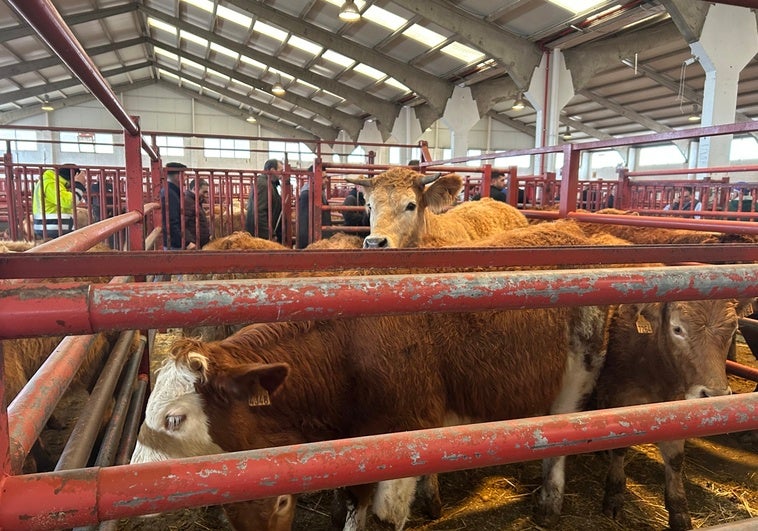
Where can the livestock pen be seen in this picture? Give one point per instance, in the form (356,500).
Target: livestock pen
(86,495)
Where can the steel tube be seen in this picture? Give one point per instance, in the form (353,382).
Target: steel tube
(133,421)
(39,309)
(85,496)
(50,26)
(743,371)
(716,225)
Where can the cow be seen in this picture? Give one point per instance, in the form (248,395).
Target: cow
(659,352)
(414,372)
(227,218)
(404,203)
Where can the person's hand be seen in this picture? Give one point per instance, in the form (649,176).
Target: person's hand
(80,178)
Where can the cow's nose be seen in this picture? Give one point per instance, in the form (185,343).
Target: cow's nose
(705,392)
(374,242)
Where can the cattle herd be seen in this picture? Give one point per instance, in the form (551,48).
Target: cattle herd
(225,389)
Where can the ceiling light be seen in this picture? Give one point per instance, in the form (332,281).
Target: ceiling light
(251,119)
(567,134)
(277,89)
(519,103)
(695,114)
(349,12)
(46,105)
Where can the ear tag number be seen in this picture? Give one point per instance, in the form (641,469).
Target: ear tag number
(643,325)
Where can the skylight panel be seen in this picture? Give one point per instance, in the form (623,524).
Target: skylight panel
(165,53)
(462,52)
(283,75)
(424,36)
(338,58)
(219,74)
(369,71)
(161,25)
(305,83)
(384,18)
(205,5)
(333,95)
(224,50)
(391,81)
(188,82)
(252,62)
(244,86)
(193,38)
(167,74)
(233,16)
(271,31)
(576,6)
(338,3)
(306,46)
(193,64)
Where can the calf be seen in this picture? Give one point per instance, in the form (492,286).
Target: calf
(659,352)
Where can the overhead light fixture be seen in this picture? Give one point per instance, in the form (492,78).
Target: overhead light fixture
(695,114)
(46,105)
(277,89)
(251,119)
(349,12)
(519,103)
(567,134)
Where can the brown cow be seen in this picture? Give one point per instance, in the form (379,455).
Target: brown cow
(403,211)
(659,352)
(412,372)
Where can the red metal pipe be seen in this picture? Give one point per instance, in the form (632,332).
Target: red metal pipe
(68,308)
(716,225)
(688,171)
(85,496)
(51,28)
(743,371)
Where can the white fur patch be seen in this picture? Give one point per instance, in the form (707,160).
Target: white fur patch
(393,499)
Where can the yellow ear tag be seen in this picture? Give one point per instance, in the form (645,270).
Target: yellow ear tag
(749,309)
(259,396)
(643,325)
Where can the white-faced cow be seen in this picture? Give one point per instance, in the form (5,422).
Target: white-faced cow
(405,206)
(659,352)
(413,372)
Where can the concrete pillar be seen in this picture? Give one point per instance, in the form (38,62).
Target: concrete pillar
(584,166)
(729,40)
(551,88)
(406,130)
(461,114)
(370,134)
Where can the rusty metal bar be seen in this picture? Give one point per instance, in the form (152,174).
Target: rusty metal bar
(82,439)
(51,28)
(85,496)
(717,225)
(5,450)
(153,238)
(70,308)
(86,237)
(132,421)
(743,371)
(50,265)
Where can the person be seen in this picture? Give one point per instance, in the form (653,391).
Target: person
(737,205)
(171,208)
(684,202)
(354,218)
(258,214)
(497,188)
(303,216)
(195,219)
(610,199)
(54,193)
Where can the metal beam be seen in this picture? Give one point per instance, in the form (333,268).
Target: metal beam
(688,16)
(47,62)
(385,112)
(585,62)
(519,56)
(587,130)
(322,131)
(33,110)
(513,124)
(8,97)
(24,30)
(434,90)
(285,130)
(351,124)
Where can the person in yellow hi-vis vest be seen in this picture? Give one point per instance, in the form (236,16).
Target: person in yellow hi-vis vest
(54,201)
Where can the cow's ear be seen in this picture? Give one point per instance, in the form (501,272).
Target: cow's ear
(443,191)
(746,307)
(645,316)
(253,383)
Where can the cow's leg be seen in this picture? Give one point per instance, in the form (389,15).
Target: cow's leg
(393,500)
(676,501)
(429,495)
(615,484)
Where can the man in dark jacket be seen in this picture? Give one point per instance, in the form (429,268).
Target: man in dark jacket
(259,212)
(355,218)
(195,219)
(497,188)
(172,208)
(303,211)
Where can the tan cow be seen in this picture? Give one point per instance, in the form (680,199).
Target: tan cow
(404,206)
(659,352)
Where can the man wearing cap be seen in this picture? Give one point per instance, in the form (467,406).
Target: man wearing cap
(171,209)
(54,202)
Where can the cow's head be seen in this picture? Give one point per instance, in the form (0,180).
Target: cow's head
(694,337)
(397,201)
(180,423)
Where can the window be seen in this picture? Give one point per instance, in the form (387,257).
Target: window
(522,161)
(606,159)
(86,142)
(358,156)
(474,153)
(743,149)
(296,153)
(226,148)
(23,140)
(660,155)
(170,146)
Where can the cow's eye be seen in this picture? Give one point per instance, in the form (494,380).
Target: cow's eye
(174,421)
(678,330)
(410,207)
